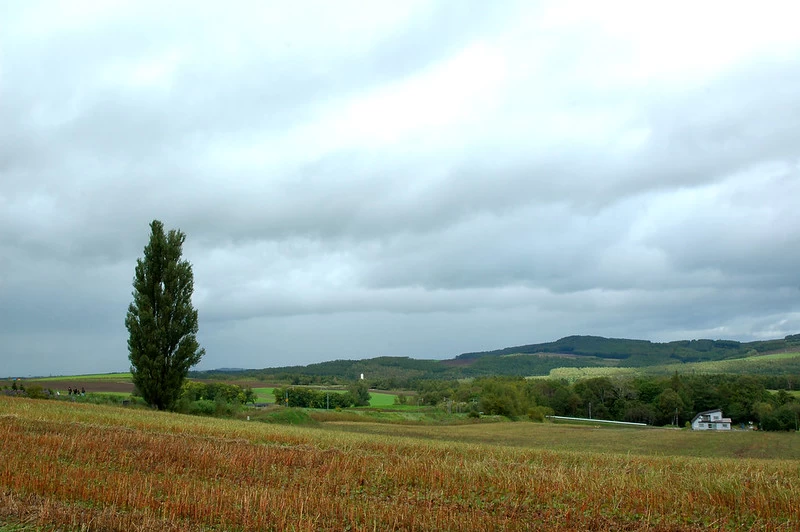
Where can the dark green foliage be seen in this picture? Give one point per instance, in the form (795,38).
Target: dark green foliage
(643,352)
(784,417)
(34,391)
(639,412)
(230,393)
(601,394)
(297,397)
(286,416)
(502,398)
(360,392)
(520,365)
(202,407)
(539,413)
(653,400)
(161,321)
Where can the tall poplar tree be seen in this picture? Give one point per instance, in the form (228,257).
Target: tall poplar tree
(161,321)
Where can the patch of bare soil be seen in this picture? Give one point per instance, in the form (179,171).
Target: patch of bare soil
(89,386)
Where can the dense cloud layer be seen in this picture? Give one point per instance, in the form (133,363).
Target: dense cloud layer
(398,178)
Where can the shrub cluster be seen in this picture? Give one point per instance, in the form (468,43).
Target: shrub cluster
(213,399)
(357,394)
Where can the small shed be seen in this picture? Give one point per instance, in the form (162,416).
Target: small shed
(711,420)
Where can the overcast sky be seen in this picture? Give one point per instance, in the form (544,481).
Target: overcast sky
(367,178)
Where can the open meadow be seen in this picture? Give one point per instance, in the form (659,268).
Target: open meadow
(770,364)
(74,466)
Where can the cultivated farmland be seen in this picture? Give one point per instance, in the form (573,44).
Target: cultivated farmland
(90,467)
(772,364)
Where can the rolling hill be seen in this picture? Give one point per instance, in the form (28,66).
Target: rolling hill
(526,360)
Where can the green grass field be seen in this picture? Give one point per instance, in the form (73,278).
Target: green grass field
(377,399)
(264,395)
(795,393)
(380,399)
(760,364)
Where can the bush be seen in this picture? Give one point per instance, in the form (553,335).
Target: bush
(223,408)
(539,413)
(34,391)
(288,416)
(360,393)
(105,399)
(310,398)
(202,407)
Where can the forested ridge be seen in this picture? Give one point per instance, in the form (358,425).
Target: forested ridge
(528,360)
(644,352)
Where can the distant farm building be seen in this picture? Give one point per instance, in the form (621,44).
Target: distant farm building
(711,420)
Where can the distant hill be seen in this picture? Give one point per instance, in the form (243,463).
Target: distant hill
(644,352)
(525,360)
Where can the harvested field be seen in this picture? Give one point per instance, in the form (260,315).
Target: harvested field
(104,468)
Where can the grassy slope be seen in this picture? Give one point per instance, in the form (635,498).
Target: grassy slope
(760,364)
(264,395)
(137,469)
(379,399)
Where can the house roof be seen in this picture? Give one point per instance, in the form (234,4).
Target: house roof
(706,412)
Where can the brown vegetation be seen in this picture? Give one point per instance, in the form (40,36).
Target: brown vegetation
(90,467)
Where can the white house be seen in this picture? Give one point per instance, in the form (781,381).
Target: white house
(711,420)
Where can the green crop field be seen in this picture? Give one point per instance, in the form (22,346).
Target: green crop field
(98,467)
(574,374)
(379,399)
(794,393)
(264,395)
(774,364)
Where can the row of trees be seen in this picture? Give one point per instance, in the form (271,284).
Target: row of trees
(357,394)
(217,391)
(212,399)
(652,400)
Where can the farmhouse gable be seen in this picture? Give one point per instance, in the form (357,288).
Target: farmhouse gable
(711,420)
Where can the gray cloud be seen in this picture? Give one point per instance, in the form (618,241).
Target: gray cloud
(417,179)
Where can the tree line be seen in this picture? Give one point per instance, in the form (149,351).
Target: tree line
(357,394)
(643,399)
(644,352)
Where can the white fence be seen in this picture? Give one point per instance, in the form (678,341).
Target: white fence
(629,423)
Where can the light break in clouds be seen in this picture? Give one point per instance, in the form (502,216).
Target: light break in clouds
(398,178)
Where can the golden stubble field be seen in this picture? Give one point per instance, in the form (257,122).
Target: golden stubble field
(87,467)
